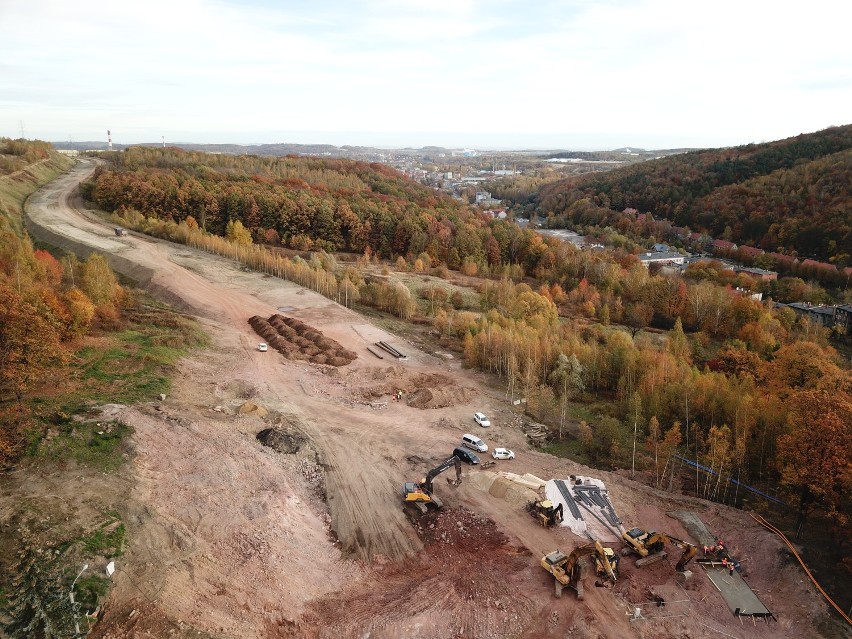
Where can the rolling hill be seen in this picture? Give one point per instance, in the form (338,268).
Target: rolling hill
(790,196)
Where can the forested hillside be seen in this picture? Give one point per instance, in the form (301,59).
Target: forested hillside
(561,326)
(790,196)
(302,203)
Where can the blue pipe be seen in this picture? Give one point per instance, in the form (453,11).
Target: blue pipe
(695,464)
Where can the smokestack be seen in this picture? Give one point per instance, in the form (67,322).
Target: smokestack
(109,140)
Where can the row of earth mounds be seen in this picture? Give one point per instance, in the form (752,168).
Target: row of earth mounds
(296,340)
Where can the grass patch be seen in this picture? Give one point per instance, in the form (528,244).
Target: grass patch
(108,540)
(97,445)
(90,590)
(134,364)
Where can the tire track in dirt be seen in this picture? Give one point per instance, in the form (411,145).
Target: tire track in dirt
(363,500)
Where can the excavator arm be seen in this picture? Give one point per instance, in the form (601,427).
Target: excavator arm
(440,468)
(607,564)
(420,494)
(689,552)
(568,571)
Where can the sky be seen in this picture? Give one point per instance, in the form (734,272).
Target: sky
(485,74)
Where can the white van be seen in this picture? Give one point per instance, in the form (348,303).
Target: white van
(474,443)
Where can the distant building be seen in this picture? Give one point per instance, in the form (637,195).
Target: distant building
(814,265)
(723,245)
(71,153)
(483,198)
(822,315)
(750,294)
(661,257)
(786,260)
(843,316)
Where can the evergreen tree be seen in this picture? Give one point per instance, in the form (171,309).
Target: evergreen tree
(39,606)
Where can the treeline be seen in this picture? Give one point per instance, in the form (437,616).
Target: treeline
(320,273)
(314,204)
(747,409)
(790,196)
(47,306)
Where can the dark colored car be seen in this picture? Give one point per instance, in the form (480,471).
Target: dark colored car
(466,455)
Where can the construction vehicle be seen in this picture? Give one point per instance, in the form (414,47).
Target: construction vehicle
(649,545)
(545,512)
(421,494)
(567,570)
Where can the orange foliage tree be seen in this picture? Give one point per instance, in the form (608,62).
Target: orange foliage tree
(814,455)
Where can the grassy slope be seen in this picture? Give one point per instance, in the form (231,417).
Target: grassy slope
(128,361)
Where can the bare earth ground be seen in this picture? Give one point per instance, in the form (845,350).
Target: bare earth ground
(229,538)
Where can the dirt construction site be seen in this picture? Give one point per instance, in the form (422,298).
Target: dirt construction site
(302,532)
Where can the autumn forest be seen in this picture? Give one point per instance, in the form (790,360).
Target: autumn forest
(697,368)
(606,352)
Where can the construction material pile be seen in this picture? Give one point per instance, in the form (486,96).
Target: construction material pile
(462,529)
(296,340)
(536,433)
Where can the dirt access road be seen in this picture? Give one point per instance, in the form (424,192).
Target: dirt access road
(232,539)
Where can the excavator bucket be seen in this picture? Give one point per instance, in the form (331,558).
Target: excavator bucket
(454,482)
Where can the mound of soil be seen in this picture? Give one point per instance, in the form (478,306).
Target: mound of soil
(296,340)
(420,390)
(466,560)
(462,529)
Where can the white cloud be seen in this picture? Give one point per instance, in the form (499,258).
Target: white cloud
(727,71)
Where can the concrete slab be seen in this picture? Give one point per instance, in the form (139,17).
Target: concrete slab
(740,598)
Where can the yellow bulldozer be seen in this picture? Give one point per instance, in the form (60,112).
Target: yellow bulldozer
(545,512)
(650,546)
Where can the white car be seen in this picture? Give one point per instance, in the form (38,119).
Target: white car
(262,347)
(503,453)
(481,419)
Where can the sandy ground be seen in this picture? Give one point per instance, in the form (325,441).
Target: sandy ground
(232,539)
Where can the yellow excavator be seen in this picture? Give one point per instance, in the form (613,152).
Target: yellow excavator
(649,545)
(545,512)
(567,570)
(420,494)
